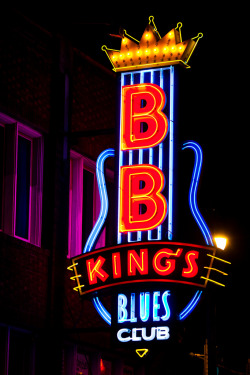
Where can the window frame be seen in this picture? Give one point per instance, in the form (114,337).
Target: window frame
(78,163)
(13,129)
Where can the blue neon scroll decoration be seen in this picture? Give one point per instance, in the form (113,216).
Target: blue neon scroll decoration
(196,214)
(110,152)
(103,198)
(193,191)
(191,305)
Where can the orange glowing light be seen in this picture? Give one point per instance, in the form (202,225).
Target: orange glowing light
(150,40)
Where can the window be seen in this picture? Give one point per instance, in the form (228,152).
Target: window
(84,202)
(21,176)
(17,352)
(23,183)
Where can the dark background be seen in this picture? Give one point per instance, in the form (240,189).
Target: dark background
(213,111)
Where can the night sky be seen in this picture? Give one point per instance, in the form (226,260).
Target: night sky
(215,113)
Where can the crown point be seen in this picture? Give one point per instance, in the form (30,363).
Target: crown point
(179,26)
(199,36)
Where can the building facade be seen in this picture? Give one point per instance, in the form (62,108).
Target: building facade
(57,113)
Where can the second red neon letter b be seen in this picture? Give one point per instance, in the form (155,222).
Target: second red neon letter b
(142,206)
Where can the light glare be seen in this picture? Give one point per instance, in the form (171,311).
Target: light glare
(221,242)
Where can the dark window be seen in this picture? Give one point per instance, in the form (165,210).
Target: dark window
(88,204)
(20,354)
(17,352)
(23,187)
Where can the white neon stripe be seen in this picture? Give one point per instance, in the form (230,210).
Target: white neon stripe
(140,156)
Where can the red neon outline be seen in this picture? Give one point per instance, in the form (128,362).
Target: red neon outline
(142,281)
(141,244)
(192,268)
(116,265)
(131,197)
(170,263)
(93,269)
(137,262)
(132,115)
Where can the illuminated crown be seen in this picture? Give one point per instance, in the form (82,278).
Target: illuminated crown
(152,50)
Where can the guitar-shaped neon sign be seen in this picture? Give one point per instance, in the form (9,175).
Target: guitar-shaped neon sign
(145,180)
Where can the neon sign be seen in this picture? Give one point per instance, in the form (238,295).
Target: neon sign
(144,307)
(150,308)
(143,262)
(146,262)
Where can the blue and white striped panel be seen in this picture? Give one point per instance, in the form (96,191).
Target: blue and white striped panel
(163,77)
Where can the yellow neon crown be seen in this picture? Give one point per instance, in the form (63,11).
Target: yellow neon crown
(152,50)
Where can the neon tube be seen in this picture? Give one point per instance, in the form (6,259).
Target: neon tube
(193,192)
(103,198)
(197,216)
(101,310)
(100,221)
(190,307)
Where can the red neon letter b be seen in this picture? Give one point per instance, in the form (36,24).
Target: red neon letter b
(144,125)
(142,206)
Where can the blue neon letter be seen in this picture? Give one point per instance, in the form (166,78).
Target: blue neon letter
(156,306)
(144,306)
(132,308)
(166,305)
(122,311)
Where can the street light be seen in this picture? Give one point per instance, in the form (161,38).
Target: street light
(220,242)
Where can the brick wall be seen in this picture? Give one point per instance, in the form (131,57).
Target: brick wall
(93,104)
(23,283)
(25,71)
(26,59)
